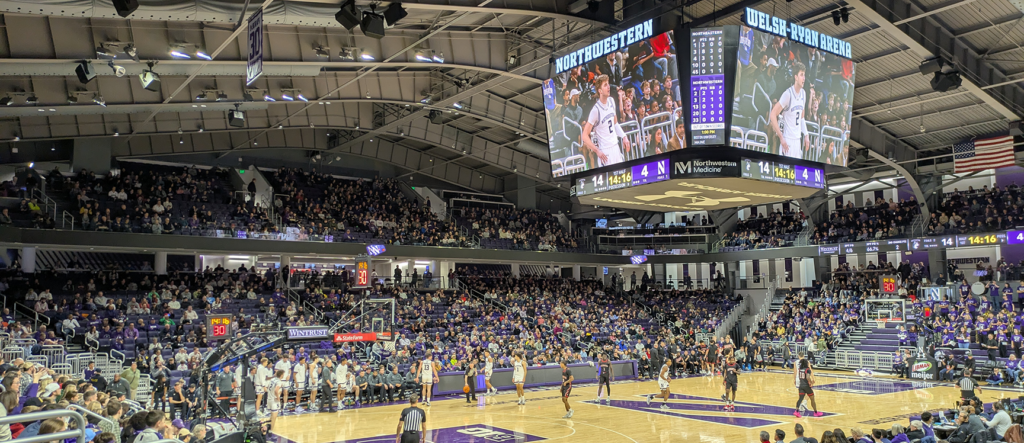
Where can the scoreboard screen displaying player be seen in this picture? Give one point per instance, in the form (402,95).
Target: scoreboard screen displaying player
(793,94)
(707,86)
(615,101)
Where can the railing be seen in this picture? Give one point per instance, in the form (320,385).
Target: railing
(48,203)
(877,361)
(918,226)
(65,218)
(731,318)
(36,315)
(766,307)
(78,433)
(804,238)
(99,417)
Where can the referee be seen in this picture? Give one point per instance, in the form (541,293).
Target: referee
(412,427)
(967,386)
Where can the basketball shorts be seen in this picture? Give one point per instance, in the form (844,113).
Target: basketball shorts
(300,386)
(795,147)
(566,390)
(273,405)
(487,375)
(518,380)
(345,386)
(603,380)
(805,389)
(730,386)
(261,389)
(427,379)
(662,384)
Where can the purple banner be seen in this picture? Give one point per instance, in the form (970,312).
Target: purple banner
(465,434)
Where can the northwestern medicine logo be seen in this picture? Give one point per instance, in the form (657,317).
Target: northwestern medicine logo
(605,46)
(703,167)
(774,25)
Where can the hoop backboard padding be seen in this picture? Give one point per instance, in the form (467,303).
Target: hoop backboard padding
(378,315)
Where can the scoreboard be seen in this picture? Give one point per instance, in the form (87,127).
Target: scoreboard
(218,327)
(636,175)
(362,272)
(707,86)
(779,172)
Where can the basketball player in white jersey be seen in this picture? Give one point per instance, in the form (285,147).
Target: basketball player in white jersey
(277,384)
(300,382)
(428,376)
(519,376)
(313,382)
(263,375)
(605,124)
(488,370)
(793,139)
(284,365)
(663,378)
(341,378)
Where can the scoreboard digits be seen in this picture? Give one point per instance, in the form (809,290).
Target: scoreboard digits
(888,285)
(707,86)
(217,327)
(362,271)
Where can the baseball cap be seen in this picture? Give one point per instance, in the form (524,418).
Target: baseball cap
(50,389)
(178,423)
(772,62)
(574,93)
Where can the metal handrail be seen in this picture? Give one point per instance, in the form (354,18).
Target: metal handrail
(75,407)
(78,433)
(47,201)
(35,313)
(64,217)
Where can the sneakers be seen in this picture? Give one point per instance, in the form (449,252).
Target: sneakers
(649,400)
(570,412)
(797,414)
(427,402)
(567,415)
(818,414)
(665,406)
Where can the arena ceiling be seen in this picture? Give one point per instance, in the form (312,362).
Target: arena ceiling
(491,126)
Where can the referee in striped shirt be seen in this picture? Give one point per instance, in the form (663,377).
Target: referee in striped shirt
(412,427)
(967,386)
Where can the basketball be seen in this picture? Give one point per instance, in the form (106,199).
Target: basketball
(465,389)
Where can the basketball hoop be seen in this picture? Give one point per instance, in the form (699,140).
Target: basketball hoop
(389,346)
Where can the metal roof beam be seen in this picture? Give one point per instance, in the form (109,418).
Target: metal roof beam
(988,27)
(926,38)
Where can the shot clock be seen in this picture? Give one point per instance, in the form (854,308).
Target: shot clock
(888,285)
(218,327)
(362,272)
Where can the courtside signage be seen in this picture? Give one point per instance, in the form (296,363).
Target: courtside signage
(605,46)
(358,336)
(775,25)
(308,333)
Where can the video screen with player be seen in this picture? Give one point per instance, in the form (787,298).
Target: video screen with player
(615,101)
(791,99)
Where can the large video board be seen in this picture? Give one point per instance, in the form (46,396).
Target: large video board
(794,91)
(614,101)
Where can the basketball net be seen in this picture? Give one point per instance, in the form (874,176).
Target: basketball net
(389,346)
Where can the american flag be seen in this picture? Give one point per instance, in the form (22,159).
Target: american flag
(979,155)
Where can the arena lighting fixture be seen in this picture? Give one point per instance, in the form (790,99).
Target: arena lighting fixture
(845,13)
(287,97)
(85,72)
(300,97)
(457,105)
(119,71)
(439,57)
(6,101)
(322,51)
(347,54)
(131,51)
(125,8)
(203,55)
(31,99)
(836,18)
(367,57)
(424,55)
(268,98)
(149,79)
(178,54)
(346,16)
(104,53)
(99,101)
(372,24)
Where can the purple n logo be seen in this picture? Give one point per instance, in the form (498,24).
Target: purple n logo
(709,410)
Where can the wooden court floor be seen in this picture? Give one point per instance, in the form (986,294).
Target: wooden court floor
(764,402)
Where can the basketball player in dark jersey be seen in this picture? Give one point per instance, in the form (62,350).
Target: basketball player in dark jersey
(604,367)
(711,358)
(566,388)
(805,383)
(731,374)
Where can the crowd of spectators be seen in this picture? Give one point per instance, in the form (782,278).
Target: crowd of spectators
(760,231)
(525,228)
(978,210)
(877,221)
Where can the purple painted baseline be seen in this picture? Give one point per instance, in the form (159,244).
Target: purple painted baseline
(446,435)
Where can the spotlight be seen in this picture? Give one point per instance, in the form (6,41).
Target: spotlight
(30,164)
(347,54)
(31,99)
(103,53)
(200,97)
(85,72)
(836,18)
(268,98)
(322,51)
(943,82)
(395,13)
(845,13)
(346,16)
(178,54)
(439,57)
(372,25)
(202,55)
(236,119)
(300,97)
(287,97)
(181,140)
(221,96)
(367,57)
(117,134)
(99,101)
(457,105)
(6,101)
(931,66)
(118,70)
(131,51)
(424,55)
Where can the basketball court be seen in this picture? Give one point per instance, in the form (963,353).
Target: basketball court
(764,402)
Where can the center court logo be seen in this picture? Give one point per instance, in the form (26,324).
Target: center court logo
(463,434)
(746,415)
